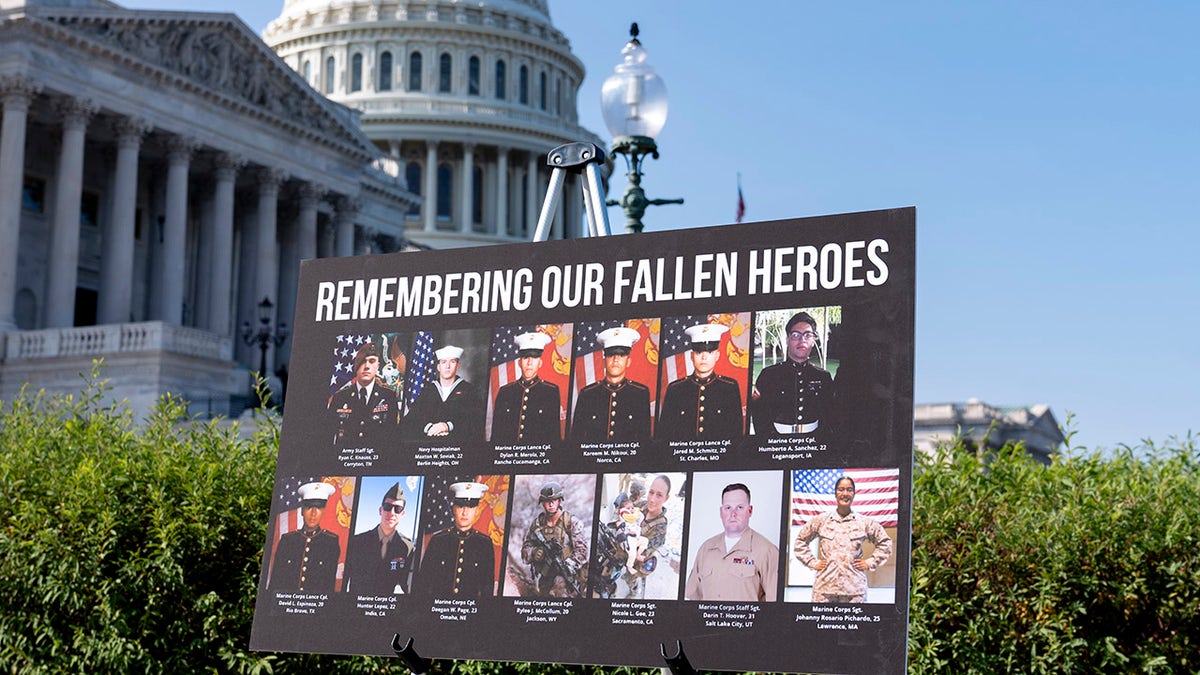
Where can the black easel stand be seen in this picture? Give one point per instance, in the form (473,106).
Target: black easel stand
(678,664)
(419,665)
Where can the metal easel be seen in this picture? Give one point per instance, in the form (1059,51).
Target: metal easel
(583,159)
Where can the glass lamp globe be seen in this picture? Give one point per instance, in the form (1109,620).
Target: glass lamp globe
(634,98)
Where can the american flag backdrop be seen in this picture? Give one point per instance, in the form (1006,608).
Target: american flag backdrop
(675,350)
(876,493)
(336,518)
(421,368)
(343,360)
(504,368)
(438,515)
(643,358)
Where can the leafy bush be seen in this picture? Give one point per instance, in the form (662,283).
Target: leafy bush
(136,547)
(1090,564)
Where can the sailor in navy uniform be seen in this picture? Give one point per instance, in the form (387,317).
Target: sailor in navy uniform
(790,397)
(364,410)
(702,404)
(614,409)
(460,560)
(448,407)
(528,410)
(306,560)
(380,560)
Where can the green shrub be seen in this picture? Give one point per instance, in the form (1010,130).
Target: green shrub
(1090,564)
(135,546)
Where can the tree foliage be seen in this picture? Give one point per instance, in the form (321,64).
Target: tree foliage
(135,546)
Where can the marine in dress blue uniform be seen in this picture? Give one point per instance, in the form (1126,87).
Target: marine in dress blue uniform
(615,408)
(702,404)
(528,410)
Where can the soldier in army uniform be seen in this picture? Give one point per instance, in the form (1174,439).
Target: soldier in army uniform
(616,408)
(448,407)
(702,404)
(654,529)
(306,560)
(841,568)
(380,559)
(364,410)
(528,410)
(790,397)
(554,547)
(460,560)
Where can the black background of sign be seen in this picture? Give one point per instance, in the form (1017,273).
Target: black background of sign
(874,408)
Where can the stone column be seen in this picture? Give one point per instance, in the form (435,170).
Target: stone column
(220,277)
(116,261)
(467,197)
(64,233)
(326,244)
(16,93)
(306,230)
(430,205)
(266,262)
(533,206)
(179,156)
(344,222)
(501,191)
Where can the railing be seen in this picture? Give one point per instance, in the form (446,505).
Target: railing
(116,339)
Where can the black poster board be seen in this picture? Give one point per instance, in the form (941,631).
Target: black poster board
(474,593)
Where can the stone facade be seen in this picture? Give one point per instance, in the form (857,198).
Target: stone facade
(987,427)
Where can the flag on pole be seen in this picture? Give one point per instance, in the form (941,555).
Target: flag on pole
(741,203)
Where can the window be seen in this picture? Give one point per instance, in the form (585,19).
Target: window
(33,195)
(477,195)
(414,71)
(542,90)
(501,80)
(412,175)
(329,75)
(308,72)
(473,76)
(445,191)
(444,72)
(385,71)
(356,72)
(523,85)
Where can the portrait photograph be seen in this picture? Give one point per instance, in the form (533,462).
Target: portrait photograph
(551,536)
(383,553)
(365,389)
(615,381)
(310,529)
(793,371)
(446,386)
(529,384)
(463,523)
(639,536)
(703,376)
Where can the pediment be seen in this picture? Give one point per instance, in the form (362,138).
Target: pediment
(219,54)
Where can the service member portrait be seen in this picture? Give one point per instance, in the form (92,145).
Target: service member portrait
(364,411)
(842,546)
(448,406)
(701,404)
(307,554)
(613,407)
(459,560)
(739,563)
(382,556)
(527,404)
(793,396)
(639,537)
(552,531)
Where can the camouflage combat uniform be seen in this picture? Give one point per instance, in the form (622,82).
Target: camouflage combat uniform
(840,542)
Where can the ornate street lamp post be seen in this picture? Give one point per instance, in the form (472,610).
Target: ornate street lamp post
(265,336)
(634,103)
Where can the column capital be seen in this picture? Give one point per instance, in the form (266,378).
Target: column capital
(76,112)
(310,194)
(347,206)
(181,148)
(228,164)
(18,91)
(130,130)
(269,179)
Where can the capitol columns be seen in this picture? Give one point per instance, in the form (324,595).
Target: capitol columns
(533,205)
(501,191)
(16,93)
(116,257)
(266,260)
(220,277)
(306,230)
(179,157)
(64,231)
(467,195)
(343,220)
(430,189)
(298,243)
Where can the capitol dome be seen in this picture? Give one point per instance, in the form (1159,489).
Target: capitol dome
(464,97)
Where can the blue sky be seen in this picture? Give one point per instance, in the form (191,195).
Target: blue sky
(1052,151)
